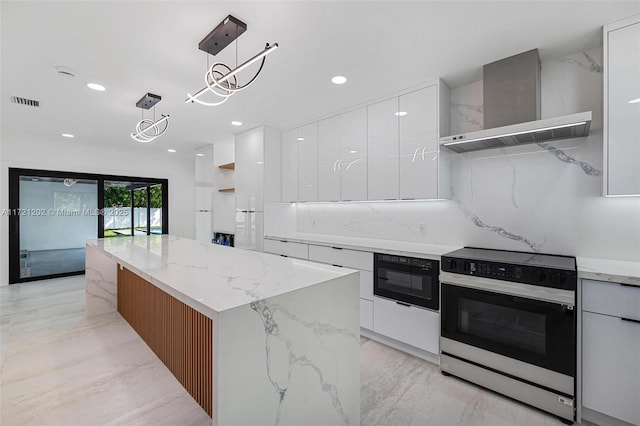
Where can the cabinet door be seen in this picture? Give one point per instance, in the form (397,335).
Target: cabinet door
(289,166)
(418,125)
(308,162)
(353,170)
(623,118)
(382,147)
(611,366)
(204,165)
(249,170)
(203,227)
(329,159)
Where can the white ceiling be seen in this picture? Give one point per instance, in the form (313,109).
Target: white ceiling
(152,46)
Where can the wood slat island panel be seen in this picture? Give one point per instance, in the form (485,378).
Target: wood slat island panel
(179,335)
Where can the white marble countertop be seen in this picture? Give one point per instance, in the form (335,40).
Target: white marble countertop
(404,248)
(626,272)
(213,278)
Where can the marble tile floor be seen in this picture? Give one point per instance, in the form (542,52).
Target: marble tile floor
(60,368)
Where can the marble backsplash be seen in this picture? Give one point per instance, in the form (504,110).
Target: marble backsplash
(542,197)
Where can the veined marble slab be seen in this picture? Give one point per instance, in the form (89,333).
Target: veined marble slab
(101,282)
(285,332)
(212,278)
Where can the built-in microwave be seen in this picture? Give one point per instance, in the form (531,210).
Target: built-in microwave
(407,280)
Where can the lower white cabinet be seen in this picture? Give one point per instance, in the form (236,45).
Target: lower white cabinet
(287,248)
(408,324)
(342,257)
(611,349)
(366,285)
(611,366)
(366,313)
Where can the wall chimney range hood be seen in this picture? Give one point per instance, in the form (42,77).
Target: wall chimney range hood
(511,90)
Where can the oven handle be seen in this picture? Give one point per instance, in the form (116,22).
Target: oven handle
(545,294)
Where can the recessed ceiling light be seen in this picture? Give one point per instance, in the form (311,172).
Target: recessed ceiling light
(634,101)
(95,86)
(339,79)
(200,154)
(300,139)
(68,135)
(353,152)
(236,123)
(401,113)
(259,162)
(171,150)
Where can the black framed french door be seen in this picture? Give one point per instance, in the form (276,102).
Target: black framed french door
(53,213)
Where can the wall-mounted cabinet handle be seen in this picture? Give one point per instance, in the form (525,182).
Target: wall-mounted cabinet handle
(631,320)
(284,255)
(339,266)
(403,304)
(630,285)
(337,248)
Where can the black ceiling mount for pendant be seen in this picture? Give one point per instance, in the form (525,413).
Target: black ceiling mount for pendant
(148,100)
(227,31)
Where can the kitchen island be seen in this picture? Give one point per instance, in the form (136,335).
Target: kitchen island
(255,338)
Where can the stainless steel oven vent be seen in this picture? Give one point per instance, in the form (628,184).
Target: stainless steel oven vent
(25,101)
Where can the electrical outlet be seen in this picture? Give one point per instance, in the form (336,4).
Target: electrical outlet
(422,229)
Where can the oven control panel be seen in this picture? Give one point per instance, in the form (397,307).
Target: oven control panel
(535,275)
(409,261)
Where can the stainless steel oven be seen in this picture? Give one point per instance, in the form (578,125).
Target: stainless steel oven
(407,280)
(508,323)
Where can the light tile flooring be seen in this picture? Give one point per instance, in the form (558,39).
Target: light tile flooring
(58,367)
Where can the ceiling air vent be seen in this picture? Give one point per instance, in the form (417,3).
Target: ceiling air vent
(25,101)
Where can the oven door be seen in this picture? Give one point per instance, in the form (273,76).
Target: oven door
(410,284)
(536,332)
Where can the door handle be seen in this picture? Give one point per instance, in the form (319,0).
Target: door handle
(630,320)
(403,304)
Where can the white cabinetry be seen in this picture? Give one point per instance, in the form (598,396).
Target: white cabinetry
(622,107)
(329,159)
(308,162)
(224,181)
(408,324)
(355,259)
(353,165)
(383,175)
(290,166)
(204,172)
(287,248)
(423,116)
(342,157)
(611,350)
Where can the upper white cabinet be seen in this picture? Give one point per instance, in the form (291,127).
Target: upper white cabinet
(353,161)
(382,125)
(384,151)
(329,153)
(622,107)
(419,150)
(204,165)
(290,166)
(342,157)
(307,140)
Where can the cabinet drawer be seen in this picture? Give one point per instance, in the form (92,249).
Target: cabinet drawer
(366,314)
(366,285)
(343,257)
(409,324)
(610,367)
(611,299)
(286,248)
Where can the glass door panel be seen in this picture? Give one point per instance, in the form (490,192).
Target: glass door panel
(141,218)
(56,217)
(155,205)
(117,209)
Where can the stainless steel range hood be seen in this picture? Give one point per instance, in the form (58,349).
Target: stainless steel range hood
(511,89)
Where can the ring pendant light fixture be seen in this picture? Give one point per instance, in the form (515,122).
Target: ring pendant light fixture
(147,130)
(220,79)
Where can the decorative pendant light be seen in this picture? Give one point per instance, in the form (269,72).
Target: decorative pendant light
(146,129)
(220,79)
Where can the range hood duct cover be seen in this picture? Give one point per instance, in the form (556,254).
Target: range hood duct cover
(511,90)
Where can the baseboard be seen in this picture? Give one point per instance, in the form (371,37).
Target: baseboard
(597,418)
